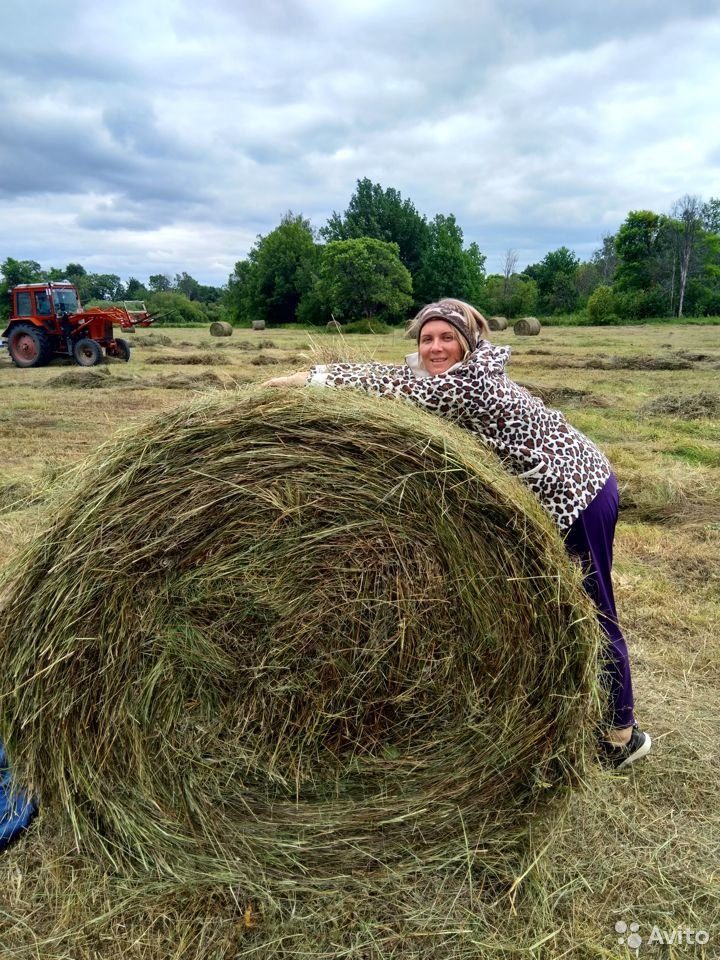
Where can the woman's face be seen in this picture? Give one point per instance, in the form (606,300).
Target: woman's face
(439,347)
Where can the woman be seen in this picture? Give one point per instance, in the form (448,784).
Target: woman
(458,374)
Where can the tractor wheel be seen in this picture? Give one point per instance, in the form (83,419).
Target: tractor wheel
(29,346)
(88,353)
(123,350)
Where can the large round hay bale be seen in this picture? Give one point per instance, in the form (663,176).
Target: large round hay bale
(258,324)
(333,326)
(220,328)
(527,327)
(292,636)
(497,323)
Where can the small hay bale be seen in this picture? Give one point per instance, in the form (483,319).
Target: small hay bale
(333,326)
(285,639)
(498,323)
(527,327)
(220,328)
(258,324)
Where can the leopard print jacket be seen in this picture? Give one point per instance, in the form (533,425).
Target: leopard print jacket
(558,463)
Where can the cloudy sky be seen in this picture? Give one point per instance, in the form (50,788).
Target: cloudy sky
(153,136)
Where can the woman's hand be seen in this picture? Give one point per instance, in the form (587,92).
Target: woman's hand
(295,380)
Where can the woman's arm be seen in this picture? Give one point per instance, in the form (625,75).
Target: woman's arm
(445,394)
(294,380)
(377,378)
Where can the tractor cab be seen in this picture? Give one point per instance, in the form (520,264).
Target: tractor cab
(39,301)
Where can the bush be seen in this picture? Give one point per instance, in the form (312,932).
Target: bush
(176,310)
(602,307)
(640,304)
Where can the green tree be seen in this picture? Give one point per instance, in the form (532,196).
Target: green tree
(687,214)
(637,245)
(711,215)
(280,270)
(474,275)
(605,259)
(186,285)
(73,271)
(134,290)
(237,293)
(555,276)
(587,279)
(383,215)
(20,271)
(364,278)
(513,296)
(446,269)
(210,294)
(159,283)
(101,286)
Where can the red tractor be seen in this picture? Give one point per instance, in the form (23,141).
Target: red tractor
(46,321)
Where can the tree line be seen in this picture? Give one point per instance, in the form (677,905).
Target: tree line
(381,259)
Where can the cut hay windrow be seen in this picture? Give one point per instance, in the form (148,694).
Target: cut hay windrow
(279,638)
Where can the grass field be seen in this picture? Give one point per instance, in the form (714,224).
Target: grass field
(642,847)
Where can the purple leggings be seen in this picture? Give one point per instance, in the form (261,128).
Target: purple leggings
(590,538)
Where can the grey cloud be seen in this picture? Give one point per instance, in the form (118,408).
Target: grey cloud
(59,153)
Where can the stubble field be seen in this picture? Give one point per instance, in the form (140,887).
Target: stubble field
(642,847)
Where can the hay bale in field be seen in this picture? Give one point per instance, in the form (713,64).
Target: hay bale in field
(258,324)
(527,327)
(497,323)
(296,638)
(220,328)
(333,326)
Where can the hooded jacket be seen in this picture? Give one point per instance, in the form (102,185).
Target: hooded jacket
(537,444)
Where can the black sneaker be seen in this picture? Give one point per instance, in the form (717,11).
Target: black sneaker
(616,758)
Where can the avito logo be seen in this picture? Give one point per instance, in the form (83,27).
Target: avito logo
(681,936)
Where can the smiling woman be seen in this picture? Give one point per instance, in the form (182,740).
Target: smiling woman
(439,347)
(458,374)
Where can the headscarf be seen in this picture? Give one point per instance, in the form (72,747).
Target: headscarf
(452,315)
